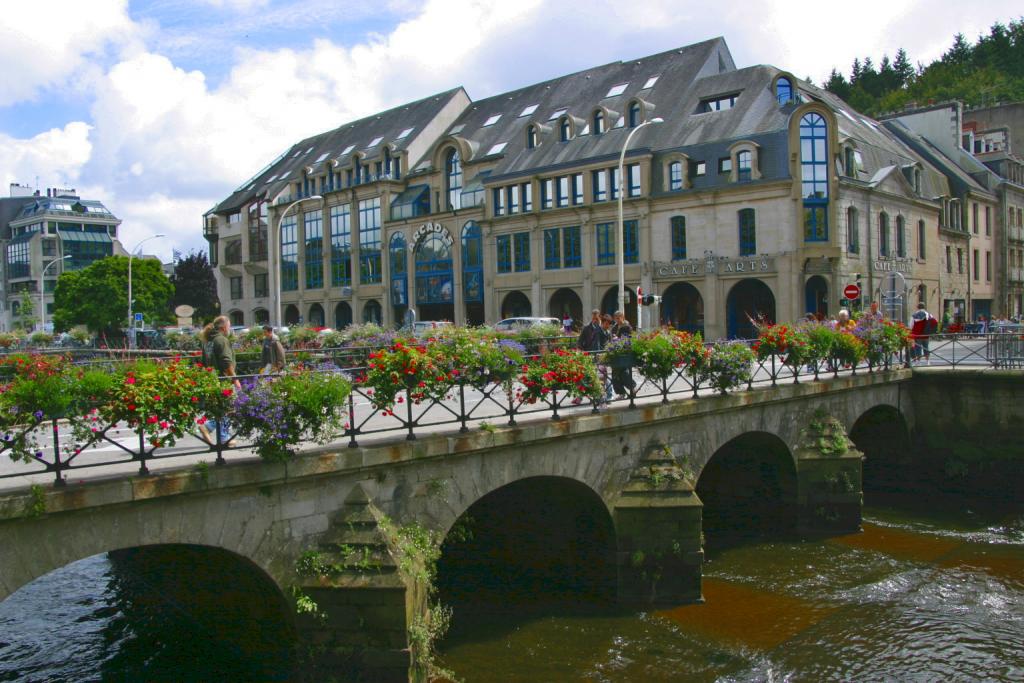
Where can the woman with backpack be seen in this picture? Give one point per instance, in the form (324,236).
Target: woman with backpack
(925,324)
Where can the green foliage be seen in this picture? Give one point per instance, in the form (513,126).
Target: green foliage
(97,296)
(660,352)
(35,506)
(568,370)
(194,284)
(826,434)
(987,71)
(26,311)
(729,365)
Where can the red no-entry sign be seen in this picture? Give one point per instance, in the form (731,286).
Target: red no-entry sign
(851,292)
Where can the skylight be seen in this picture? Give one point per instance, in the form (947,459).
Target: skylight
(347,150)
(297,153)
(650,82)
(529,110)
(457,129)
(847,115)
(309,150)
(617,90)
(491,120)
(285,174)
(404,134)
(272,178)
(497,149)
(620,123)
(321,157)
(556,114)
(585,131)
(374,142)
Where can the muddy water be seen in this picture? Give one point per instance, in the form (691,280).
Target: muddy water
(935,595)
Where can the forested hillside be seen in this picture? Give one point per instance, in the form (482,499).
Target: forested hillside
(987,71)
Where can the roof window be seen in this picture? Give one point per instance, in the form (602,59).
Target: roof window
(347,150)
(404,134)
(491,120)
(720,103)
(528,110)
(285,174)
(321,157)
(457,129)
(374,142)
(617,90)
(497,149)
(556,114)
(649,83)
(272,178)
(309,150)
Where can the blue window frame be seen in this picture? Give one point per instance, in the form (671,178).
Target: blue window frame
(562,191)
(814,176)
(605,233)
(547,190)
(341,246)
(472,263)
(289,254)
(599,183)
(576,183)
(553,248)
(748,232)
(675,176)
(527,194)
(512,193)
(453,179)
(572,255)
(633,178)
(313,222)
(498,197)
(504,255)
(678,224)
(564,129)
(434,280)
(783,90)
(613,182)
(630,242)
(397,264)
(597,125)
(369,241)
(521,248)
(634,114)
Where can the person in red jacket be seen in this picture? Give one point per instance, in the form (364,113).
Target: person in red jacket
(924,325)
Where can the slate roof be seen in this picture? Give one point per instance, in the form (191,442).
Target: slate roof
(960,179)
(10,207)
(67,205)
(354,137)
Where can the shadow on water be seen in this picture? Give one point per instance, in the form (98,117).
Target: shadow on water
(160,613)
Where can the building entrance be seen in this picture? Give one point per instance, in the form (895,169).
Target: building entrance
(816,296)
(435,283)
(750,302)
(682,308)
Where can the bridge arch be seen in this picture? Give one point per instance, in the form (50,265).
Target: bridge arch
(534,538)
(749,486)
(882,434)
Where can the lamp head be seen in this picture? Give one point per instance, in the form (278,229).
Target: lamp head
(657,119)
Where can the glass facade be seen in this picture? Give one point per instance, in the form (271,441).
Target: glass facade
(289,254)
(341,246)
(814,176)
(369,241)
(434,281)
(313,223)
(472,263)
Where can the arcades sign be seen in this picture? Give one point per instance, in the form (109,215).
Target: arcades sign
(433,229)
(719,267)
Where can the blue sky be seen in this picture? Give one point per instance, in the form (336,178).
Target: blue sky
(160,108)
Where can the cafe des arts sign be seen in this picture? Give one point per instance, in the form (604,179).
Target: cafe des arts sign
(697,268)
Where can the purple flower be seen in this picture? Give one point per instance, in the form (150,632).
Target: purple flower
(38,414)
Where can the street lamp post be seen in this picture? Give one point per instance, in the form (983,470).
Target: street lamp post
(131,318)
(42,295)
(620,255)
(276,270)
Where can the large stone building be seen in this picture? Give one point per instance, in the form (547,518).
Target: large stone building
(42,236)
(758,195)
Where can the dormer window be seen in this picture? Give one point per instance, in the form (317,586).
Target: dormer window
(917,180)
(598,125)
(784,90)
(744,163)
(721,103)
(564,129)
(634,114)
(531,136)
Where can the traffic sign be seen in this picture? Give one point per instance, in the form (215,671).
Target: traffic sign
(851,292)
(138,317)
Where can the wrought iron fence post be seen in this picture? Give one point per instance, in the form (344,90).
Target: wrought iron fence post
(462,407)
(58,466)
(554,405)
(773,370)
(796,373)
(408,412)
(141,430)
(511,409)
(664,390)
(351,429)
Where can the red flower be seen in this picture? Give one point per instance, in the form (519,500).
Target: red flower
(129,380)
(151,419)
(131,406)
(226,392)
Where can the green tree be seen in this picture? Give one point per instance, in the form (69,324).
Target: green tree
(97,296)
(26,311)
(195,285)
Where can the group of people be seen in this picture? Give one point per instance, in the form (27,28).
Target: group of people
(594,337)
(219,354)
(923,325)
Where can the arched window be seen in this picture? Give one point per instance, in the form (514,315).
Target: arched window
(814,176)
(852,231)
(901,237)
(531,136)
(675,176)
(372,312)
(634,114)
(784,90)
(453,179)
(744,162)
(598,124)
(883,234)
(748,232)
(434,271)
(564,129)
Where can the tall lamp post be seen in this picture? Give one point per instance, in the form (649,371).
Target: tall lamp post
(131,318)
(42,295)
(620,255)
(276,270)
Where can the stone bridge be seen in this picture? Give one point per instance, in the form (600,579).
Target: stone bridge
(622,497)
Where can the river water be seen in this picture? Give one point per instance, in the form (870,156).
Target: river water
(920,595)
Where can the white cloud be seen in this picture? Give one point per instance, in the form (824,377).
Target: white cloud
(237,4)
(49,46)
(55,156)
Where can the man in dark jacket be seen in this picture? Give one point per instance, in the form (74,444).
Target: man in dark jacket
(272,355)
(218,354)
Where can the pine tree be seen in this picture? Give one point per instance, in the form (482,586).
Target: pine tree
(901,65)
(195,285)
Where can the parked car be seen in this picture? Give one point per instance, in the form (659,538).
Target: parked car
(514,324)
(422,328)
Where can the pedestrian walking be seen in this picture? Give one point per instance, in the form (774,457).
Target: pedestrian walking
(272,355)
(218,354)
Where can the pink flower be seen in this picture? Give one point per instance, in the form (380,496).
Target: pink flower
(151,419)
(226,392)
(130,380)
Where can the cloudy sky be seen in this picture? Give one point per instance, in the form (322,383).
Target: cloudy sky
(160,108)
